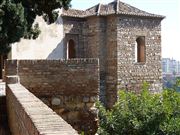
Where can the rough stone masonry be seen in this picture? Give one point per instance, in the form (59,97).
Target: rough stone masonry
(68,87)
(109,32)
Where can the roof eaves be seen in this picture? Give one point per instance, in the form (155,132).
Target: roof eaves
(113,13)
(142,15)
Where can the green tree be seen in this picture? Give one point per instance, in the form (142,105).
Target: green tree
(17,18)
(143,114)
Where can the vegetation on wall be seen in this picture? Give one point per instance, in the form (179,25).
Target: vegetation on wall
(142,114)
(17,18)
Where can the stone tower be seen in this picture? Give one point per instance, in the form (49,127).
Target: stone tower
(126,40)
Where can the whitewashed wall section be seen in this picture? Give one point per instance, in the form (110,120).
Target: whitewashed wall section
(49,44)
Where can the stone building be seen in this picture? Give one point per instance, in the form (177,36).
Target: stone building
(126,40)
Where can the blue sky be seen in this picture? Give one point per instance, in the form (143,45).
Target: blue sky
(170,25)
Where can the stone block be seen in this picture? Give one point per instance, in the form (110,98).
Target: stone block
(55,101)
(89,105)
(73,116)
(93,99)
(85,99)
(12,79)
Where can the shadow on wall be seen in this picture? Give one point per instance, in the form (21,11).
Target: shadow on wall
(57,53)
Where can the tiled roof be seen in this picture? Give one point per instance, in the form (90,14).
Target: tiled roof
(73,13)
(92,11)
(130,10)
(115,7)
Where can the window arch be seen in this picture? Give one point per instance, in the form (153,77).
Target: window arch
(140,55)
(71,50)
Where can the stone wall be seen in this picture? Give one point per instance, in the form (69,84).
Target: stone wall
(30,116)
(69,87)
(96,47)
(102,44)
(112,39)
(73,29)
(93,41)
(111,67)
(90,38)
(49,44)
(130,73)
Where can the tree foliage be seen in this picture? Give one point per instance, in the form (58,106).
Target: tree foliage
(143,114)
(17,18)
(172,83)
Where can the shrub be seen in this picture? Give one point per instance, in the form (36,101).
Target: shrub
(142,114)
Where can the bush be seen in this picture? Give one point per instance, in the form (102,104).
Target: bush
(142,114)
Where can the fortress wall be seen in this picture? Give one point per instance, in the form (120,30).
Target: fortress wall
(111,67)
(132,74)
(69,87)
(30,116)
(96,41)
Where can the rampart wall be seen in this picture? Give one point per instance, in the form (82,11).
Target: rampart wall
(30,116)
(69,87)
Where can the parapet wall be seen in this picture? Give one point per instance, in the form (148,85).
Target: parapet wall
(30,116)
(52,77)
(69,87)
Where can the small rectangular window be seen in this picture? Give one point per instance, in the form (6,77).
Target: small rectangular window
(140,54)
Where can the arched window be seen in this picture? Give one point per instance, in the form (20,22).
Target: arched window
(140,55)
(71,52)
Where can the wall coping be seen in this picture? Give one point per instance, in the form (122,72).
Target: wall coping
(45,121)
(68,61)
